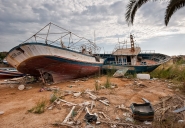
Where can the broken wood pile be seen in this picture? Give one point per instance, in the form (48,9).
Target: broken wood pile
(170,110)
(93,115)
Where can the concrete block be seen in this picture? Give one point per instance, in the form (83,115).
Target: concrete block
(143,76)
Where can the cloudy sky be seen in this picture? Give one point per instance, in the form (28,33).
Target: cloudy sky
(20,19)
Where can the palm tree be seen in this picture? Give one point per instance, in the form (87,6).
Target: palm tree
(133,5)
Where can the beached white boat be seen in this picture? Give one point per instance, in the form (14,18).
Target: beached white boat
(57,62)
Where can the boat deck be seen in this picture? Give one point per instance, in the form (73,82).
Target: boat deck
(146,62)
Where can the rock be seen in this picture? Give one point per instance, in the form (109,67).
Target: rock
(113,126)
(1,112)
(177,90)
(97,81)
(169,87)
(117,118)
(28,87)
(21,87)
(102,87)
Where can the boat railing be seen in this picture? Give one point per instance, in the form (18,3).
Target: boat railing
(118,63)
(61,37)
(147,51)
(108,52)
(125,46)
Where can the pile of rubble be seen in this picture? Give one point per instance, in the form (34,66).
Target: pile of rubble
(170,111)
(93,114)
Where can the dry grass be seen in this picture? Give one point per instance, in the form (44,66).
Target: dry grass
(39,107)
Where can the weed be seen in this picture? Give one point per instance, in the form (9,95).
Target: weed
(39,108)
(130,75)
(97,87)
(174,72)
(56,94)
(53,98)
(107,84)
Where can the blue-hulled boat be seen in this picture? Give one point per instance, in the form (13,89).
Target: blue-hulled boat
(133,58)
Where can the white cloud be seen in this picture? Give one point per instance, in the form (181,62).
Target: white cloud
(20,19)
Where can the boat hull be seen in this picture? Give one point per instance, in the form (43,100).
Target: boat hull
(157,58)
(60,68)
(7,74)
(131,69)
(37,58)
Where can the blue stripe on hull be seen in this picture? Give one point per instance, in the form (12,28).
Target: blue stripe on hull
(73,61)
(140,69)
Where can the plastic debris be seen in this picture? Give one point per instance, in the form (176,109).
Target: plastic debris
(147,123)
(129,119)
(120,72)
(76,94)
(180,121)
(90,118)
(179,110)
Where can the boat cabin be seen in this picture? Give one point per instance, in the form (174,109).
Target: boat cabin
(126,56)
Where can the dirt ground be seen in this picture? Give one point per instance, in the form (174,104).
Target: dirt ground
(15,103)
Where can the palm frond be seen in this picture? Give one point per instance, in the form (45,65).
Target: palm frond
(172,7)
(132,7)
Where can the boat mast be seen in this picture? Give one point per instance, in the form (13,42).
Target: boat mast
(132,43)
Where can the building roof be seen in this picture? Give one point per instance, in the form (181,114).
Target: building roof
(127,51)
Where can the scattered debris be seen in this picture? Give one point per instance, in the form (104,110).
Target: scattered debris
(77,94)
(179,110)
(70,86)
(120,72)
(105,116)
(28,87)
(98,119)
(105,102)
(86,103)
(79,113)
(54,88)
(69,115)
(142,111)
(147,123)
(114,85)
(129,119)
(180,121)
(92,105)
(10,82)
(68,103)
(145,100)
(90,117)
